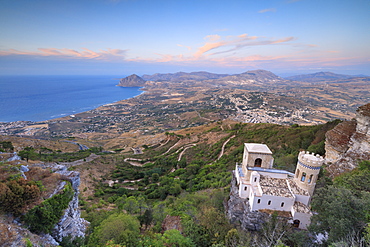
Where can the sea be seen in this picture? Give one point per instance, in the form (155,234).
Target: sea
(40,98)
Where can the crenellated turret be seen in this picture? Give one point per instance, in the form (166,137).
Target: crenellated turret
(307,171)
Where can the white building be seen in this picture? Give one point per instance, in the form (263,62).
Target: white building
(278,190)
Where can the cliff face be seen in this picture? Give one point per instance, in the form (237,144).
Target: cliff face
(348,143)
(238,211)
(132,81)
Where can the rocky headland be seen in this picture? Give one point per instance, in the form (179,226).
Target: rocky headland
(132,81)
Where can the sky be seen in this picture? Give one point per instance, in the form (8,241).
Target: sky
(123,37)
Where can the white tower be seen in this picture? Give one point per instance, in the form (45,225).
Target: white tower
(256,155)
(307,171)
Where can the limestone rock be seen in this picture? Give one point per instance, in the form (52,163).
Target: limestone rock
(172,222)
(363,120)
(338,140)
(238,211)
(71,223)
(13,235)
(348,143)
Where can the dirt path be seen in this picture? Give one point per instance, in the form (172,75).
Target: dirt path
(168,139)
(223,147)
(186,147)
(81,161)
(174,145)
(133,163)
(203,117)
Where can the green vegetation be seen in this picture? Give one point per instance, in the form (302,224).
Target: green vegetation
(136,210)
(120,228)
(43,217)
(343,208)
(163,175)
(45,154)
(6,146)
(195,187)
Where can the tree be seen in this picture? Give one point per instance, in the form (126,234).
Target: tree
(131,205)
(174,238)
(339,212)
(121,228)
(215,223)
(273,231)
(155,177)
(146,219)
(358,179)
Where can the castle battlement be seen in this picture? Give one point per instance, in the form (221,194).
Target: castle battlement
(310,160)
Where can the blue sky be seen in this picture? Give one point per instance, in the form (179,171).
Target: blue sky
(121,37)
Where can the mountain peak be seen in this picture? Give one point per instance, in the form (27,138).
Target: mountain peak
(132,81)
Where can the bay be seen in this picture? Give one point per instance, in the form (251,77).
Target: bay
(40,98)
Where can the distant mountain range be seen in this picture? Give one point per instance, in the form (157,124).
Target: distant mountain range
(181,76)
(321,76)
(202,75)
(252,77)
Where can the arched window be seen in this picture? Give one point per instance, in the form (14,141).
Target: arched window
(269,203)
(255,179)
(282,204)
(259,201)
(246,187)
(296,223)
(303,178)
(297,174)
(310,179)
(258,162)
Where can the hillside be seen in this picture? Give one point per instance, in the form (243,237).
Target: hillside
(170,151)
(320,77)
(167,171)
(183,76)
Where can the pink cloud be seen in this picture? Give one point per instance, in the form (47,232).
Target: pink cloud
(234,43)
(69,53)
(207,47)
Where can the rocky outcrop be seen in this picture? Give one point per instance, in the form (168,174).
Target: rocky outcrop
(363,120)
(238,211)
(71,223)
(338,141)
(132,81)
(13,235)
(348,143)
(172,222)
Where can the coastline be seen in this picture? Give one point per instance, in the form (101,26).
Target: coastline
(45,98)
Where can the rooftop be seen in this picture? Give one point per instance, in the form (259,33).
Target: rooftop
(257,148)
(297,190)
(275,186)
(301,208)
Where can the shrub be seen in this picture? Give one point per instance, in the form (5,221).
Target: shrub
(43,217)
